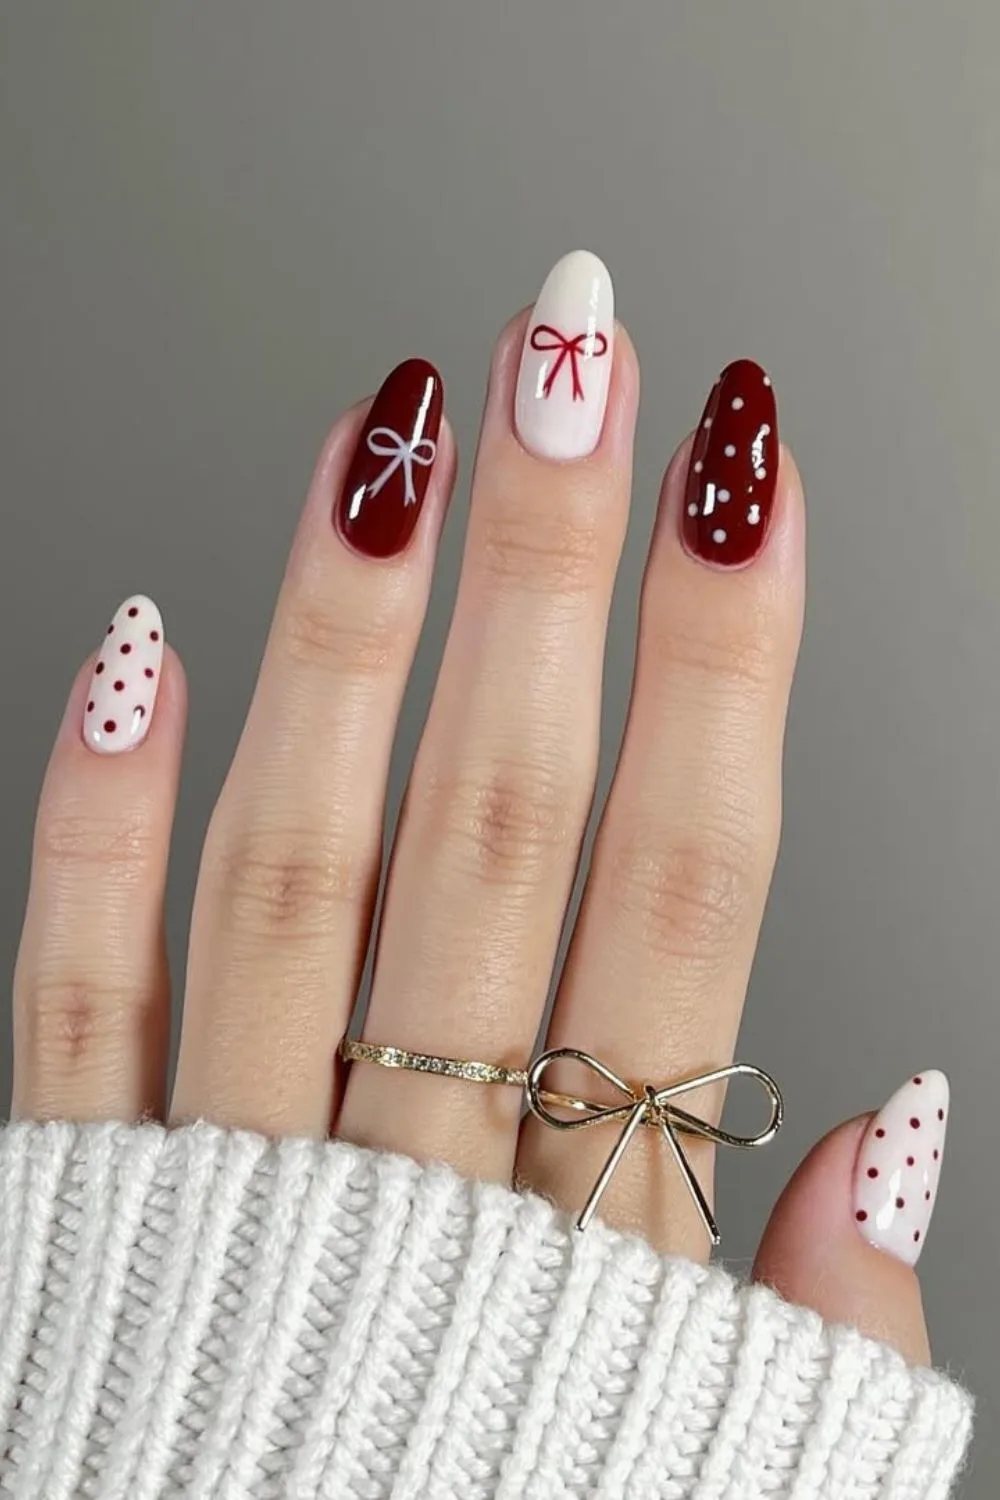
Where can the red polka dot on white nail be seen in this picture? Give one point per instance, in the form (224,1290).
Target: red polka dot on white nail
(134,645)
(896,1179)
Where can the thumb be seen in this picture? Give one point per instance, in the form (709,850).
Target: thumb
(848,1229)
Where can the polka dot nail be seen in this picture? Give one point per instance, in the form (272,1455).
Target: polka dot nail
(119,705)
(896,1178)
(734,467)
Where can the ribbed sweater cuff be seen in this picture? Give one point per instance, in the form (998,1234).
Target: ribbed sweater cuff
(208,1313)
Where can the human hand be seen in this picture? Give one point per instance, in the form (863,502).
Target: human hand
(490,834)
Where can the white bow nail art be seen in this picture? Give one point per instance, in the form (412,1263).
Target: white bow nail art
(385,442)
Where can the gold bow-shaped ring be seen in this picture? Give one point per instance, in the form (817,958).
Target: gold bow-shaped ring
(646,1105)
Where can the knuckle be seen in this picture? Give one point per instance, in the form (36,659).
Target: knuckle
(506,829)
(289,883)
(742,660)
(693,899)
(315,636)
(69,1020)
(559,553)
(81,842)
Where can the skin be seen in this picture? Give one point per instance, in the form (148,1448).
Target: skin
(484,859)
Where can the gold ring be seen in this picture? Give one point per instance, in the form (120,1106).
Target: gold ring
(643,1104)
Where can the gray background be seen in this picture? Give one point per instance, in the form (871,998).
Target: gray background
(223,223)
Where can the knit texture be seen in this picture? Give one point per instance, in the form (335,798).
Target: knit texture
(202,1313)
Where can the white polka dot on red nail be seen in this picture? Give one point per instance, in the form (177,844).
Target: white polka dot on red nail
(698,466)
(125,680)
(718,535)
(722,496)
(730,450)
(693,508)
(896,1178)
(767,380)
(760,473)
(753,515)
(737,403)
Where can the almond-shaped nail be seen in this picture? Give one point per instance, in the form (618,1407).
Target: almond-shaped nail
(899,1163)
(380,504)
(126,678)
(733,469)
(562,385)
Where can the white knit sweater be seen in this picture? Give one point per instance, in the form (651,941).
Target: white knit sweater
(198,1313)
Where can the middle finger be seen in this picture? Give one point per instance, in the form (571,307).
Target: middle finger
(490,833)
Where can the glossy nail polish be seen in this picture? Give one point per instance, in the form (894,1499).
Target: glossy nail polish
(126,678)
(733,469)
(387,480)
(562,385)
(896,1177)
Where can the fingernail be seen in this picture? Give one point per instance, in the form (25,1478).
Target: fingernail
(387,480)
(896,1178)
(123,688)
(733,469)
(562,385)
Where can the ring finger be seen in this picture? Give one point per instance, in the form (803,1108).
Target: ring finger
(658,967)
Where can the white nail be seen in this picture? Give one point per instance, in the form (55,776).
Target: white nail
(119,705)
(896,1178)
(562,386)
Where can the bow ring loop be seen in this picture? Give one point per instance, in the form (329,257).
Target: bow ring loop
(541,1100)
(646,1105)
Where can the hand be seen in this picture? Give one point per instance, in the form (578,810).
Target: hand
(490,834)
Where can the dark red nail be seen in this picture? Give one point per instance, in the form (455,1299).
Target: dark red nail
(387,480)
(734,466)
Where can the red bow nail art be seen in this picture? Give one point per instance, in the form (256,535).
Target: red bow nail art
(547,339)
